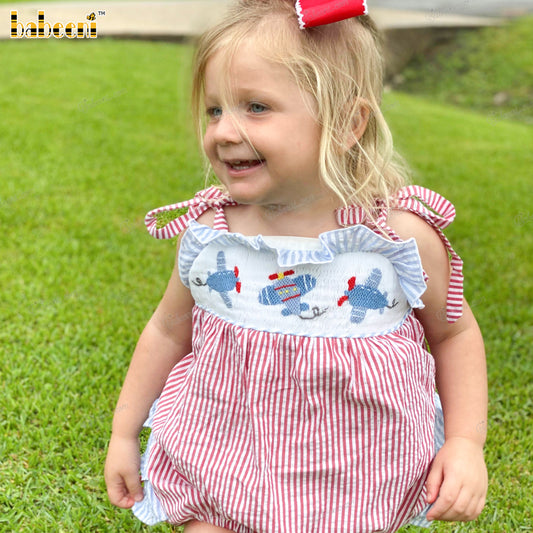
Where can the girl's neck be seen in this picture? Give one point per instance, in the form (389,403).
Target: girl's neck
(304,219)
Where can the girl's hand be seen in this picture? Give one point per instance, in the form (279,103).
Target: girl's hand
(457,481)
(122,472)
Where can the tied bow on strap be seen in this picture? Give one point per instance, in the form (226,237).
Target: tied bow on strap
(211,198)
(320,12)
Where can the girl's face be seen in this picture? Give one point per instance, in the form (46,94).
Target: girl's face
(264,145)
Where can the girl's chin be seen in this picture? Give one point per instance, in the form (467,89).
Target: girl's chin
(245,193)
(245,198)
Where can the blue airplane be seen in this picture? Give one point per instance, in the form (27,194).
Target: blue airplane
(288,291)
(223,280)
(366,296)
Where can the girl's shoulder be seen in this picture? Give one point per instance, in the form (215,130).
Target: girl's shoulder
(408,225)
(207,218)
(419,213)
(431,248)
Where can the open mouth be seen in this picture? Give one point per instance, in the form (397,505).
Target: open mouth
(239,165)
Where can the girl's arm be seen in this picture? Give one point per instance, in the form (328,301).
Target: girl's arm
(163,342)
(457,481)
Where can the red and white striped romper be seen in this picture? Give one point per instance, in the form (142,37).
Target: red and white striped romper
(307,403)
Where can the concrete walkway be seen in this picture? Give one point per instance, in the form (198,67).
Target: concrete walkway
(178,19)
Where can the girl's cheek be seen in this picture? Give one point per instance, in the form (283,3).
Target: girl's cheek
(207,143)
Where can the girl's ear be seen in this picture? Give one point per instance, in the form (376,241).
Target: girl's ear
(359,123)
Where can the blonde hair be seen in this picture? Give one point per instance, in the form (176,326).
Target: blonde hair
(341,66)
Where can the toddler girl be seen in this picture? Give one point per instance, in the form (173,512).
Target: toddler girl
(314,307)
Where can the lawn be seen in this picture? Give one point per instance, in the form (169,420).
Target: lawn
(94,134)
(490,70)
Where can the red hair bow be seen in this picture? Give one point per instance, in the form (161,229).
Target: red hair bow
(319,12)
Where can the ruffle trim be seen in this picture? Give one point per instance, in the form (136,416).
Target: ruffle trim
(439,213)
(403,255)
(149,510)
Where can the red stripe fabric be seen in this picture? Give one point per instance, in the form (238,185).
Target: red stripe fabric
(266,432)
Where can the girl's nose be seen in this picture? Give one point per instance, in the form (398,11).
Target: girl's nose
(227,130)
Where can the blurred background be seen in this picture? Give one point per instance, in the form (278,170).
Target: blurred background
(96,132)
(466,7)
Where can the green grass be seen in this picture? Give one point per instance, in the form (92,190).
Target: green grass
(94,134)
(479,66)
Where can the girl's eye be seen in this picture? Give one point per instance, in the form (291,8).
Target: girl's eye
(214,112)
(257,108)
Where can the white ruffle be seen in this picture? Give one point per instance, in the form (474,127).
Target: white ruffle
(403,255)
(421,519)
(149,509)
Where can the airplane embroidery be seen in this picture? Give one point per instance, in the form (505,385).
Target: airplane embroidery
(287,290)
(366,296)
(222,281)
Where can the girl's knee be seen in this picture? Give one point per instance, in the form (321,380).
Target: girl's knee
(202,527)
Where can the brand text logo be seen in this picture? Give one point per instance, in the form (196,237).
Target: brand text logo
(43,30)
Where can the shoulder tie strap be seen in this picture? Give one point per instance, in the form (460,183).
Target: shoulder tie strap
(438,213)
(350,215)
(211,198)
